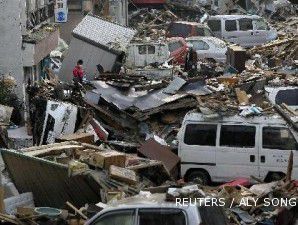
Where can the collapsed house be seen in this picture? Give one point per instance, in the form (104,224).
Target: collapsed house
(96,42)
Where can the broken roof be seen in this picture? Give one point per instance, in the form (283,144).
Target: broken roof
(141,100)
(102,33)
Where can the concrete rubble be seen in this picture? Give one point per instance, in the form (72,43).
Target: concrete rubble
(115,136)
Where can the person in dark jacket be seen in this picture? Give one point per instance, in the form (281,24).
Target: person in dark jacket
(78,72)
(191,61)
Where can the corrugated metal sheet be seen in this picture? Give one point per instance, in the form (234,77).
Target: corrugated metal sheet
(174,86)
(49,181)
(142,100)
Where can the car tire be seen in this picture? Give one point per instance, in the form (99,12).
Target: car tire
(199,177)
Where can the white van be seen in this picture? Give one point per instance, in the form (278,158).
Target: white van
(144,54)
(245,30)
(221,150)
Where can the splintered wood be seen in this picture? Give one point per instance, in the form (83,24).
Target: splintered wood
(242,97)
(122,174)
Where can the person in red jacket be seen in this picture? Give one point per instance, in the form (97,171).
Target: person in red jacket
(78,72)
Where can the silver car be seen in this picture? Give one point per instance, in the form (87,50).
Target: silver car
(157,213)
(208,48)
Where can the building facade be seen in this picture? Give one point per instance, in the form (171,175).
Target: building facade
(26,39)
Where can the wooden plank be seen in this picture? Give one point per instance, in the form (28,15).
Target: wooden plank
(285,106)
(123,174)
(53,150)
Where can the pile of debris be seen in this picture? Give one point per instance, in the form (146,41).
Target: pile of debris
(279,53)
(98,173)
(260,204)
(151,23)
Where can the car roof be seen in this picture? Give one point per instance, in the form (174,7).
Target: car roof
(175,39)
(190,23)
(192,210)
(203,38)
(268,120)
(152,201)
(234,17)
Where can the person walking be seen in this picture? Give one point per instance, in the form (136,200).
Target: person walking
(78,72)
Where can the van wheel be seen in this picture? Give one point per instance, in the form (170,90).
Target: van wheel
(273,176)
(199,177)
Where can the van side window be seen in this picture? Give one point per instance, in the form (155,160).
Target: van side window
(230,25)
(151,49)
(200,134)
(279,138)
(215,25)
(245,24)
(142,49)
(237,136)
(161,217)
(125,217)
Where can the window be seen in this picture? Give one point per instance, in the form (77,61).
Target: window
(203,31)
(237,136)
(151,49)
(231,25)
(142,49)
(261,25)
(245,24)
(173,46)
(115,218)
(200,45)
(161,217)
(200,134)
(215,25)
(213,215)
(180,30)
(279,138)
(59,5)
(288,96)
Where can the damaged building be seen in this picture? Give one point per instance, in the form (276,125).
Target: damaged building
(26,40)
(97,42)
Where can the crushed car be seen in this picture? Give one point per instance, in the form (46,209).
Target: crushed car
(208,48)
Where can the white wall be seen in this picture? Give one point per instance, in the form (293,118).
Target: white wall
(119,11)
(90,54)
(11,41)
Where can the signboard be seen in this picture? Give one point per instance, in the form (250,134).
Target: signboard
(61,11)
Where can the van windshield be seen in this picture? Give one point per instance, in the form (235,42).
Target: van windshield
(203,31)
(260,24)
(279,138)
(215,25)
